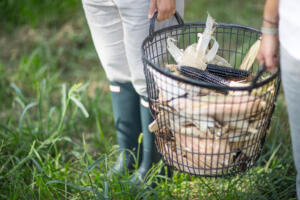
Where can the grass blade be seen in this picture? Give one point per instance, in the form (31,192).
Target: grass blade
(18,92)
(24,112)
(80,105)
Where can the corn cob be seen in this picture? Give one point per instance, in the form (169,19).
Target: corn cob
(227,72)
(201,75)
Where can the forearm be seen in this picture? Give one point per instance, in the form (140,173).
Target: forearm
(271,15)
(268,53)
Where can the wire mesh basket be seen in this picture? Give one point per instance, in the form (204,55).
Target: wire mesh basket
(206,129)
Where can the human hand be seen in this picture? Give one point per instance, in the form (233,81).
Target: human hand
(165,8)
(268,52)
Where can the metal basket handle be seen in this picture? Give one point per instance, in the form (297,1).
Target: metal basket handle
(257,76)
(152,22)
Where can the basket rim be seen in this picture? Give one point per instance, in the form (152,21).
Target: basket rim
(198,83)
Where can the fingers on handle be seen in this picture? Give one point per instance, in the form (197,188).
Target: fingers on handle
(277,61)
(260,59)
(165,15)
(152,8)
(272,62)
(162,15)
(166,12)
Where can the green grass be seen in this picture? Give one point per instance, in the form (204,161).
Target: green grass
(49,149)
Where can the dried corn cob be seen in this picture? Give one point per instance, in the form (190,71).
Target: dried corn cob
(227,72)
(201,75)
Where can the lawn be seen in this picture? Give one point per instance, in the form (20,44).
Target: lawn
(57,136)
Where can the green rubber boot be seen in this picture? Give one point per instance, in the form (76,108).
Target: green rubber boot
(126,112)
(150,154)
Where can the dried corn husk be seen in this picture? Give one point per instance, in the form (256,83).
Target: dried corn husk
(218,60)
(229,107)
(167,119)
(250,57)
(190,58)
(190,130)
(168,88)
(236,136)
(205,153)
(178,160)
(160,121)
(197,55)
(205,122)
(242,126)
(181,161)
(174,50)
(238,84)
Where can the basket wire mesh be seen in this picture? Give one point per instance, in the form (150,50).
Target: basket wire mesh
(198,132)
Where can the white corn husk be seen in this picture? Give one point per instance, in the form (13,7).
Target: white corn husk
(177,158)
(168,88)
(238,84)
(230,107)
(205,122)
(242,126)
(210,153)
(212,53)
(192,127)
(167,119)
(188,130)
(174,50)
(205,38)
(235,136)
(218,60)
(192,90)
(160,121)
(196,55)
(250,57)
(182,162)
(191,59)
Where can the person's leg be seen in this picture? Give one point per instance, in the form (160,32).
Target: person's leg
(106,29)
(135,20)
(136,28)
(290,68)
(107,33)
(150,154)
(125,103)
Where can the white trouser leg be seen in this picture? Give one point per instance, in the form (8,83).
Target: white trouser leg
(107,33)
(290,68)
(136,28)
(118,29)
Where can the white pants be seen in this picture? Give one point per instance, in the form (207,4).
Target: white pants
(118,28)
(290,68)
